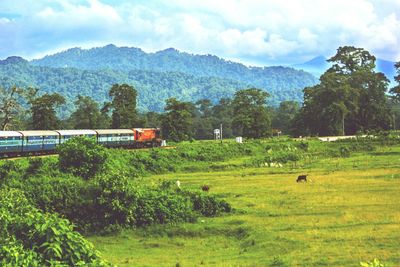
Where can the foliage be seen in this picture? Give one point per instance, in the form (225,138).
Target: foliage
(208,205)
(177,122)
(350,97)
(44,113)
(123,105)
(29,237)
(82,156)
(9,171)
(284,115)
(12,100)
(250,114)
(396,89)
(171,73)
(88,115)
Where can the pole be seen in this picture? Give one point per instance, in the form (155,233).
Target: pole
(343,123)
(221,132)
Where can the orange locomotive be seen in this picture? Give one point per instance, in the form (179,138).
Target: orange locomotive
(147,137)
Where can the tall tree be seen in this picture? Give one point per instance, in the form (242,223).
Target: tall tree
(12,102)
(203,121)
(350,97)
(43,111)
(250,114)
(123,105)
(87,114)
(177,121)
(222,113)
(9,106)
(284,115)
(396,89)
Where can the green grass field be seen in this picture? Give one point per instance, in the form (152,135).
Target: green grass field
(348,212)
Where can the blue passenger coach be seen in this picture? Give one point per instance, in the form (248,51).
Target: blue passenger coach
(65,135)
(10,142)
(39,141)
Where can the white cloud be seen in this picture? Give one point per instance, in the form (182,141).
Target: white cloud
(262,31)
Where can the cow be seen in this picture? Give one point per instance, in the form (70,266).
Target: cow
(302,178)
(205,188)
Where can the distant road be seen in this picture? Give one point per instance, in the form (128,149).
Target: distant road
(333,138)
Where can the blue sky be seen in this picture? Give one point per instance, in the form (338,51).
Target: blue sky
(255,32)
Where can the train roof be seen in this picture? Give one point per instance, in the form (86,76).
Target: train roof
(145,129)
(10,134)
(76,132)
(39,133)
(114,131)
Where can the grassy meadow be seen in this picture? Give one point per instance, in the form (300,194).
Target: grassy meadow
(348,211)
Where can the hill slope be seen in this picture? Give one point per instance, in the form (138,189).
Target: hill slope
(156,76)
(275,80)
(153,87)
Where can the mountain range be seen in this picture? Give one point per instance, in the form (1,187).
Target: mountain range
(156,76)
(319,65)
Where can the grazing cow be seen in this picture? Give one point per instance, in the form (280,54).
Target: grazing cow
(302,178)
(205,188)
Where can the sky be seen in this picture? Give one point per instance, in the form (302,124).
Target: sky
(254,32)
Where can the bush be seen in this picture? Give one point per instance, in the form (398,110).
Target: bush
(10,170)
(29,237)
(65,194)
(128,205)
(82,156)
(208,205)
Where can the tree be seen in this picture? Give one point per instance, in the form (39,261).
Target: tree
(396,89)
(177,121)
(203,121)
(349,98)
(222,113)
(12,101)
(43,111)
(87,114)
(123,105)
(152,119)
(250,114)
(284,115)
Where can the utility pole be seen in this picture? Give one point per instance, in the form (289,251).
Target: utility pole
(220,131)
(343,123)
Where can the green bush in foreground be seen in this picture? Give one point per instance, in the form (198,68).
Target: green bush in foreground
(82,157)
(29,237)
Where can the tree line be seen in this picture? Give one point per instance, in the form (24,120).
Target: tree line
(350,98)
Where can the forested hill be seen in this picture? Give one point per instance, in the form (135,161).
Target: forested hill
(156,76)
(278,80)
(153,87)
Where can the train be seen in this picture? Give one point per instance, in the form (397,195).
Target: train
(37,142)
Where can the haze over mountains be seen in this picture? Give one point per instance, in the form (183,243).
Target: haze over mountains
(156,76)
(319,65)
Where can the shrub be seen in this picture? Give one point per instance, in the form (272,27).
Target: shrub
(208,205)
(82,156)
(29,237)
(65,194)
(125,204)
(9,171)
